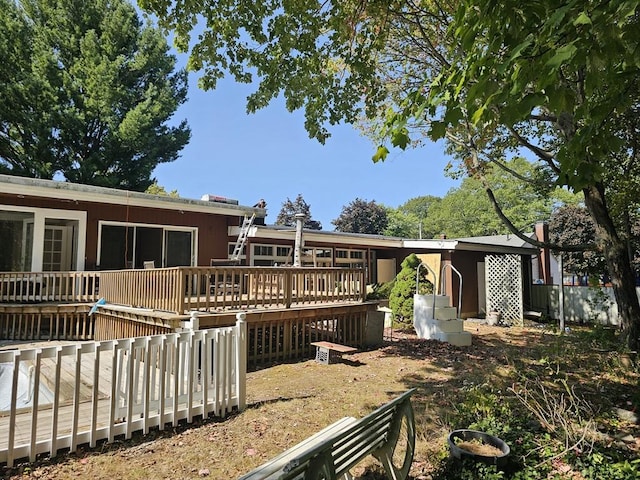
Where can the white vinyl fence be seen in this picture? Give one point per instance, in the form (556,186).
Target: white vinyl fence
(60,397)
(588,304)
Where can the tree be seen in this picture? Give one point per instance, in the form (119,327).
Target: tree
(410,220)
(361,216)
(289,209)
(553,81)
(89,95)
(493,79)
(572,225)
(155,189)
(404,287)
(466,211)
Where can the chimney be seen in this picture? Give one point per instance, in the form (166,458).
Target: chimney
(544,255)
(297,252)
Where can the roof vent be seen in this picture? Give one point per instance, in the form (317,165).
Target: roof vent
(216,198)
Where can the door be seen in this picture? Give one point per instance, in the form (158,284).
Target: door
(57,251)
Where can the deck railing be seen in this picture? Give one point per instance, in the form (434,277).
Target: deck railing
(64,396)
(32,287)
(182,289)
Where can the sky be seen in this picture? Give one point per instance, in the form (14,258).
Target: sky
(269,155)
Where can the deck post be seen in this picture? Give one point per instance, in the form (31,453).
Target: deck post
(241,359)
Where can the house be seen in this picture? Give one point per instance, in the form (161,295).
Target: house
(48,225)
(382,256)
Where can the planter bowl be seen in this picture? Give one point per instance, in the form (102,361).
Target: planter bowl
(470,435)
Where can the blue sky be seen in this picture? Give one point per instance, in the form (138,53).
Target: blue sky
(269,155)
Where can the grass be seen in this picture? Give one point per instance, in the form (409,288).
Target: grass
(551,397)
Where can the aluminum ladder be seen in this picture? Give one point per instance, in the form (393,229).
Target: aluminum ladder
(242,237)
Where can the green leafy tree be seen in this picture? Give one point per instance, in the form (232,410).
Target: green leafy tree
(466,211)
(404,287)
(491,78)
(89,93)
(289,210)
(400,224)
(361,216)
(411,219)
(155,189)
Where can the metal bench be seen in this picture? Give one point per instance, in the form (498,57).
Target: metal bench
(386,433)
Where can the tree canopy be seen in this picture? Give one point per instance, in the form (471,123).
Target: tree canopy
(156,189)
(289,209)
(361,216)
(410,220)
(572,225)
(494,79)
(89,94)
(466,211)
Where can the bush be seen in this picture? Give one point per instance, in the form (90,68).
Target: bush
(404,287)
(380,291)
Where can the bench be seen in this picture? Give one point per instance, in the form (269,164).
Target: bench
(328,352)
(387,433)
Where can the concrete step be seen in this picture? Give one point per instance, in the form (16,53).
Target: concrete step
(431,329)
(454,325)
(445,313)
(462,339)
(423,305)
(441,300)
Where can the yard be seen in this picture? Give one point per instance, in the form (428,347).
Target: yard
(566,405)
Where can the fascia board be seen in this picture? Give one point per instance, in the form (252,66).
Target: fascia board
(256,234)
(431,244)
(87,193)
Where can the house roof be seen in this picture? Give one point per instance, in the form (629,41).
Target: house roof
(34,187)
(493,243)
(279,232)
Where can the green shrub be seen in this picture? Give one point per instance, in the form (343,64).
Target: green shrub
(404,287)
(380,291)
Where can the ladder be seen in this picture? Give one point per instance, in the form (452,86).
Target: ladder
(242,237)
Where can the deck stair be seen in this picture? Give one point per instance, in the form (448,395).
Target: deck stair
(434,318)
(242,236)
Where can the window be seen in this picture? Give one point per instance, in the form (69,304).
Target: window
(129,246)
(41,239)
(16,238)
(263,250)
(350,258)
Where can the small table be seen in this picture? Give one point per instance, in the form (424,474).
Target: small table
(327,352)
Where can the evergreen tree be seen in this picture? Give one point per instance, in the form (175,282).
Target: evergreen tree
(87,93)
(404,288)
(289,209)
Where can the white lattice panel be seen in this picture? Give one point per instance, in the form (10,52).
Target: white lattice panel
(503,275)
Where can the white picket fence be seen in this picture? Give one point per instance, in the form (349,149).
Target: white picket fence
(61,397)
(587,304)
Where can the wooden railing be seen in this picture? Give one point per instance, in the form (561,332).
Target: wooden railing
(62,397)
(31,287)
(182,289)
(34,322)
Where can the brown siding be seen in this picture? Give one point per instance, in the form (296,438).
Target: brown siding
(212,229)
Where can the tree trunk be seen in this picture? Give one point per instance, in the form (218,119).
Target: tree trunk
(618,264)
